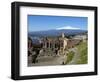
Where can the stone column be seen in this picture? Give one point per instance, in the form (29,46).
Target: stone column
(53,45)
(45,44)
(49,44)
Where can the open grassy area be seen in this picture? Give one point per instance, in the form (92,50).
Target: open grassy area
(83,54)
(70,56)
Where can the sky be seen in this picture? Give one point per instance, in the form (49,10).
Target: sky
(43,22)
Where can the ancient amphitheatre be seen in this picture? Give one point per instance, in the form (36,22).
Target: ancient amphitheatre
(57,51)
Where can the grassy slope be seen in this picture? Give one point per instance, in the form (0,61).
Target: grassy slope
(82,49)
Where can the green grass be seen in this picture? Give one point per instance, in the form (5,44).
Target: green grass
(83,55)
(70,56)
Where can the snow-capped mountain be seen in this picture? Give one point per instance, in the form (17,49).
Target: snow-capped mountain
(57,32)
